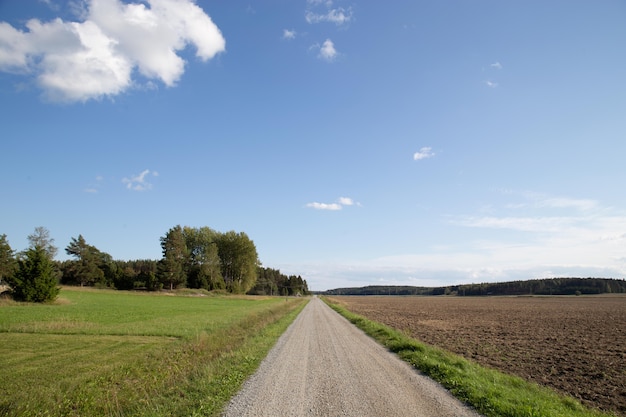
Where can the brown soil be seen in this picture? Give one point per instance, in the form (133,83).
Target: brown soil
(576,345)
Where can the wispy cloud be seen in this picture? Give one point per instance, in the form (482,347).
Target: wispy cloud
(564,202)
(338,205)
(94,187)
(289,34)
(543,214)
(524,224)
(495,66)
(588,242)
(140,182)
(97,57)
(338,16)
(540,200)
(423,153)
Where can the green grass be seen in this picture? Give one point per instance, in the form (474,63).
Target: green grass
(490,392)
(116,353)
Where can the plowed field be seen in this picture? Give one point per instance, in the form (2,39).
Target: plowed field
(576,345)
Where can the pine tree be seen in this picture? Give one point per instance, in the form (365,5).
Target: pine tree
(7,260)
(35,279)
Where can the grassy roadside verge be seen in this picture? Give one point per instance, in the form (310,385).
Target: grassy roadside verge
(211,382)
(490,392)
(101,353)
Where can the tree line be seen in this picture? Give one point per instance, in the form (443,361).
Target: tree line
(547,286)
(199,258)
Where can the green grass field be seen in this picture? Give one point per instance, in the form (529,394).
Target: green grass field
(100,352)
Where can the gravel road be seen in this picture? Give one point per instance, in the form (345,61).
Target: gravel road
(324,366)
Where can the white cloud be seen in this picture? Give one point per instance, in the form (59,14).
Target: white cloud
(539,200)
(325,206)
(491,84)
(346,201)
(425,152)
(524,224)
(327,51)
(289,34)
(328,3)
(337,16)
(496,65)
(95,58)
(140,182)
(338,205)
(546,237)
(561,202)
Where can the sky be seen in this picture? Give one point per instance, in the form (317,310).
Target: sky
(357,143)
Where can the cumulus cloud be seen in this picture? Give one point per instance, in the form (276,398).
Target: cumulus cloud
(94,58)
(140,182)
(327,51)
(346,201)
(338,205)
(289,34)
(425,152)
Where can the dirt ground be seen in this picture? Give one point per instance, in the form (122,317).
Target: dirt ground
(576,345)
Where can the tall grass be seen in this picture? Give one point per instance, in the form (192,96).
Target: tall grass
(111,353)
(490,392)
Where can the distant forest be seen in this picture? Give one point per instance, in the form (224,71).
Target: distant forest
(548,286)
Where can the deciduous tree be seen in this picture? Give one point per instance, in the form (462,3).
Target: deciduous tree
(172,266)
(239,261)
(204,261)
(41,239)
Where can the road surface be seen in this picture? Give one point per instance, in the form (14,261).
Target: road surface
(324,366)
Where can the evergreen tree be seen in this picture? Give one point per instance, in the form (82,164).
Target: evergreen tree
(86,269)
(35,279)
(7,259)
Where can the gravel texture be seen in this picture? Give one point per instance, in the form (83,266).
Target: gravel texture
(324,366)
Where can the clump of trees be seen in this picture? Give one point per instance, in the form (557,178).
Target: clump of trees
(273,282)
(204,258)
(199,258)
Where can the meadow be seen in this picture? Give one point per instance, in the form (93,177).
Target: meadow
(573,345)
(100,352)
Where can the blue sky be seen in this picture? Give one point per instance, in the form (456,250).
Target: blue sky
(356,142)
